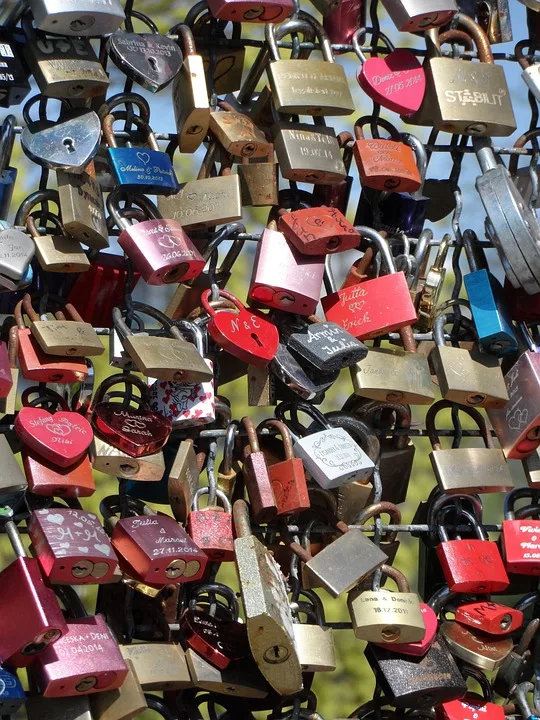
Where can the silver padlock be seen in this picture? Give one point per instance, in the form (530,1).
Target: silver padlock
(419,15)
(71,17)
(16,252)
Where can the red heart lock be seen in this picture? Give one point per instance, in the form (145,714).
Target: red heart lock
(135,431)
(397,82)
(62,437)
(246,334)
(420,648)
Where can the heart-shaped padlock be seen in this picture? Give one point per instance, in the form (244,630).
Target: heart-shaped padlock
(246,334)
(136,431)
(67,144)
(420,648)
(150,59)
(61,437)
(397,82)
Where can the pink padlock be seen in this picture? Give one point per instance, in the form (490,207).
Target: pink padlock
(283,278)
(159,249)
(420,648)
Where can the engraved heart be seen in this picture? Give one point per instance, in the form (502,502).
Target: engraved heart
(397,82)
(143,157)
(62,437)
(78,524)
(134,431)
(152,60)
(63,545)
(105,549)
(56,520)
(82,549)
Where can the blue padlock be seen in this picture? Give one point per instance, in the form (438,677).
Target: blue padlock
(488,303)
(144,169)
(397,212)
(12,695)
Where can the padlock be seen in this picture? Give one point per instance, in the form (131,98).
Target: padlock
(58,252)
(431,280)
(164,358)
(70,708)
(60,436)
(82,209)
(12,695)
(121,703)
(410,16)
(149,59)
(470,565)
(417,682)
(236,133)
(229,467)
(344,20)
(517,424)
(190,95)
(488,303)
(14,85)
(210,528)
(489,617)
(387,617)
(13,484)
(63,67)
(331,456)
(469,377)
(159,249)
(49,479)
(8,403)
(266,606)
(396,82)
(183,480)
(212,629)
(461,97)
(292,284)
(519,548)
(16,253)
(269,11)
(259,180)
(158,665)
(43,620)
(68,143)
(8,174)
(63,337)
(318,231)
(472,703)
(257,480)
(530,69)
(314,639)
(58,672)
(207,201)
(386,164)
(113,461)
(482,651)
(475,470)
(246,334)
(294,82)
(71,19)
(136,431)
(71,547)
(146,169)
(364,309)
(154,547)
(240,679)
(518,664)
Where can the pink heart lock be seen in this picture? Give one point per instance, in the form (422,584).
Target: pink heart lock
(61,437)
(397,82)
(420,648)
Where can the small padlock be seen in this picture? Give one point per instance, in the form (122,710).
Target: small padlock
(145,169)
(387,617)
(318,231)
(236,133)
(183,481)
(210,528)
(259,180)
(72,547)
(63,337)
(471,565)
(489,617)
(154,547)
(82,209)
(475,470)
(49,479)
(126,700)
(158,665)
(257,480)
(57,252)
(314,639)
(14,85)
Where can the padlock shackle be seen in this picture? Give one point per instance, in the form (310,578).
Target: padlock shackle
(219,494)
(476,256)
(520,55)
(194,331)
(472,412)
(475,525)
(112,504)
(375,123)
(521,142)
(108,129)
(440,597)
(38,197)
(125,98)
(15,539)
(253,440)
(371,407)
(129,380)
(43,396)
(361,433)
(145,20)
(445,318)
(241,520)
(273,33)
(283,431)
(375,511)
(456,36)
(216,588)
(391,572)
(478,35)
(293,406)
(527,601)
(382,245)
(469,671)
(228,448)
(185,38)
(7,139)
(518,494)
(143,202)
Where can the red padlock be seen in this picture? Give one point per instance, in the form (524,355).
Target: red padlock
(211,528)
(6,379)
(37,365)
(153,548)
(246,334)
(46,478)
(72,546)
(489,617)
(472,705)
(288,477)
(520,539)
(256,477)
(255,11)
(318,231)
(470,566)
(342,22)
(373,307)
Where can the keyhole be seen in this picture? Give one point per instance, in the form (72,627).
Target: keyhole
(69,144)
(256,338)
(276,654)
(153,63)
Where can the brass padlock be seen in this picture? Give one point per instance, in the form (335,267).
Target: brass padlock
(183,480)
(158,666)
(259,181)
(81,207)
(237,133)
(59,252)
(239,679)
(314,639)
(70,338)
(111,460)
(126,702)
(388,617)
